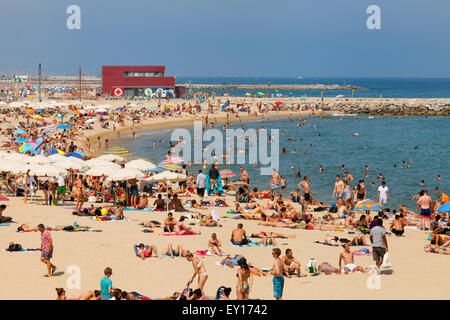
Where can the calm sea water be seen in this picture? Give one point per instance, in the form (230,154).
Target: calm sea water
(387,87)
(381,143)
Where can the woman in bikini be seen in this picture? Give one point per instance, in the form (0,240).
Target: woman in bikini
(199,268)
(89,295)
(79,193)
(244,280)
(215,245)
(181,229)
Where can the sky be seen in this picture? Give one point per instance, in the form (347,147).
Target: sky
(233,38)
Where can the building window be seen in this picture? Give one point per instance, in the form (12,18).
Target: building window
(143,74)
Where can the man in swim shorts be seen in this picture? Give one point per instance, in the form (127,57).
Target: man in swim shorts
(348,258)
(277,273)
(424,204)
(238,235)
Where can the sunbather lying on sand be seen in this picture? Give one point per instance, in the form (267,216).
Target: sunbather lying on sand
(145,251)
(89,295)
(328,268)
(273,234)
(151,224)
(179,252)
(25,227)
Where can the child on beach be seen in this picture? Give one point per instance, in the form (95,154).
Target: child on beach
(106,285)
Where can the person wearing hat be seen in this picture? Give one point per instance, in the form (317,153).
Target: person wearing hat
(145,251)
(245,280)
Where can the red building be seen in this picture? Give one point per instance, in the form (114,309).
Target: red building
(139,81)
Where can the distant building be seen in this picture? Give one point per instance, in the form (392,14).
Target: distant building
(139,81)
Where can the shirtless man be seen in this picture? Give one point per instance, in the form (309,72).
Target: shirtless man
(143,202)
(397,226)
(348,259)
(238,235)
(275,181)
(304,185)
(244,175)
(424,205)
(169,223)
(360,191)
(277,273)
(291,264)
(118,212)
(338,188)
(328,268)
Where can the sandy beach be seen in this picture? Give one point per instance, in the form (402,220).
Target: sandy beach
(414,275)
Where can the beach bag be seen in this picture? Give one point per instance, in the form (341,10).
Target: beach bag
(68,228)
(215,215)
(312,268)
(333,209)
(386,261)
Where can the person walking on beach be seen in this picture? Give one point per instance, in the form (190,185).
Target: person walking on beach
(383,193)
(275,181)
(338,188)
(379,243)
(106,285)
(46,249)
(213,176)
(201,184)
(61,191)
(424,205)
(277,273)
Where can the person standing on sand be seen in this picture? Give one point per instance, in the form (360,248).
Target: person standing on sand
(424,205)
(277,273)
(106,144)
(106,285)
(275,181)
(379,243)
(47,250)
(338,188)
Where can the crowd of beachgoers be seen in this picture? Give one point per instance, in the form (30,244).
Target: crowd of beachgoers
(59,154)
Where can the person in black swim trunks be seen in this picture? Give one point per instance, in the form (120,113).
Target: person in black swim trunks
(238,236)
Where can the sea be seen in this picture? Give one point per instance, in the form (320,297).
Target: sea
(405,150)
(373,87)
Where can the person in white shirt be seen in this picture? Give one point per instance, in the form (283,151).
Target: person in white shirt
(201,184)
(61,191)
(383,193)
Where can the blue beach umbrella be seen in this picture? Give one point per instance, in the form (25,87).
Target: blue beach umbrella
(63,126)
(75,155)
(444,207)
(21,140)
(19,131)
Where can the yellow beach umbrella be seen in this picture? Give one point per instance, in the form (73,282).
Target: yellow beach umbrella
(36,117)
(29,111)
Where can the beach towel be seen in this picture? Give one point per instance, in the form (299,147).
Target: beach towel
(362,252)
(139,210)
(435,250)
(250,244)
(3,198)
(24,250)
(139,296)
(185,291)
(4,224)
(177,234)
(443,236)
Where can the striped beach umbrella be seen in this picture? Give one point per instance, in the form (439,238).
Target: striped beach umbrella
(226,173)
(368,204)
(118,151)
(173,160)
(170,167)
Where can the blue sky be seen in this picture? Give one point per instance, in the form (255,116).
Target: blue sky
(282,38)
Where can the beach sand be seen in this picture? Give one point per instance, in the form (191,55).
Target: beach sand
(414,275)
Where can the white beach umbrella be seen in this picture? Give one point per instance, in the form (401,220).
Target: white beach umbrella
(92,163)
(23,168)
(39,159)
(71,163)
(101,171)
(56,157)
(17,156)
(16,104)
(90,107)
(140,164)
(125,174)
(48,171)
(101,110)
(8,165)
(90,120)
(167,176)
(112,158)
